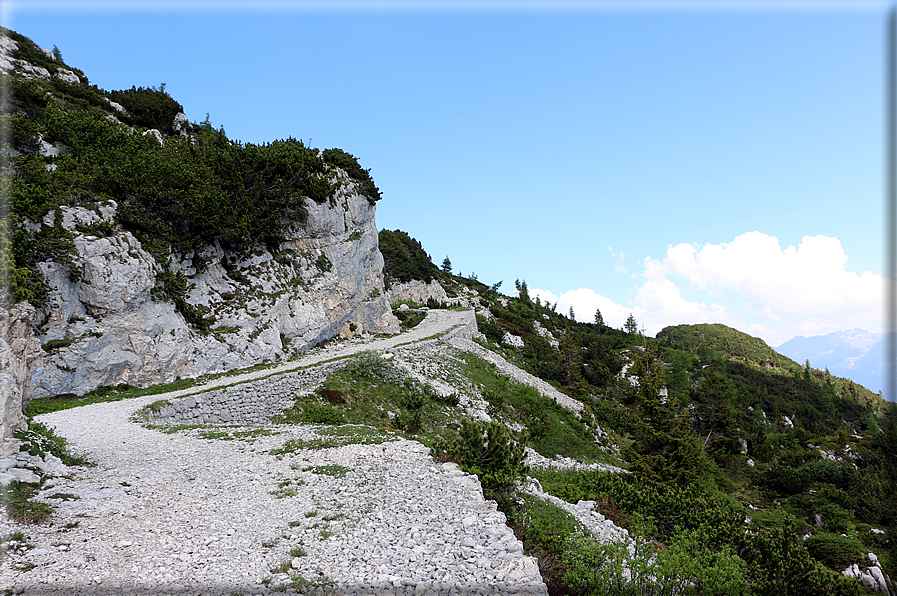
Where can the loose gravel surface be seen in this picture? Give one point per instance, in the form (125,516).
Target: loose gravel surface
(203,512)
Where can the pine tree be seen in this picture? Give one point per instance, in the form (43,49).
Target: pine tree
(446,265)
(631,325)
(522,291)
(599,320)
(664,449)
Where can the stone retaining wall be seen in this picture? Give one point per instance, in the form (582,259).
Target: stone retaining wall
(256,402)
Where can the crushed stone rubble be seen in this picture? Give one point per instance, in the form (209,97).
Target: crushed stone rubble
(177,513)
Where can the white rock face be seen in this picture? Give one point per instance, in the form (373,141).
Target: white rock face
(871,576)
(326,280)
(156,134)
(512,340)
(68,76)
(116,106)
(418,291)
(20,361)
(180,124)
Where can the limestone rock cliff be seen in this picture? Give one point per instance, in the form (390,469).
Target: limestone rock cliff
(20,362)
(106,328)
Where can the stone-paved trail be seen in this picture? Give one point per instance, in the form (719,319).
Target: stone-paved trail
(187,513)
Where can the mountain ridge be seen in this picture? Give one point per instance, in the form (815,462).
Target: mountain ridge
(854,353)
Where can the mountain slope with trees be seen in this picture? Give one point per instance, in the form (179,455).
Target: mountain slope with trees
(729,444)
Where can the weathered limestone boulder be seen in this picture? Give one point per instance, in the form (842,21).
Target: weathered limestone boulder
(509,339)
(418,291)
(106,328)
(872,577)
(20,361)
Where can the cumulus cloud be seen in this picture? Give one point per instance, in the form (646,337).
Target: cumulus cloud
(751,283)
(810,281)
(585,302)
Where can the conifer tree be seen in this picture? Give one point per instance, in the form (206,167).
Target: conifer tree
(631,325)
(599,320)
(664,449)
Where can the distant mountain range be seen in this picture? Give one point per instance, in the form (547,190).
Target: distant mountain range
(855,354)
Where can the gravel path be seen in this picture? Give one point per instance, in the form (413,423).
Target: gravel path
(187,513)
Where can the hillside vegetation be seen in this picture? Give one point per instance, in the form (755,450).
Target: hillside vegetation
(77,144)
(769,476)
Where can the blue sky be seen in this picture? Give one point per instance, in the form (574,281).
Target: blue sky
(687,162)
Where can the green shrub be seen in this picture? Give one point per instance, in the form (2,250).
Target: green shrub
(39,439)
(349,163)
(686,566)
(372,366)
(147,107)
(409,318)
(404,258)
(323,263)
(487,449)
(835,551)
(318,414)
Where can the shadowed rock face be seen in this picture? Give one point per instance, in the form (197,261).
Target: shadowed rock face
(325,280)
(20,360)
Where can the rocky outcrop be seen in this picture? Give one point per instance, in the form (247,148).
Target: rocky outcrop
(872,576)
(418,292)
(106,328)
(20,362)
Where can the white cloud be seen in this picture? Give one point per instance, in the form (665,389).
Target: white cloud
(751,283)
(584,302)
(809,283)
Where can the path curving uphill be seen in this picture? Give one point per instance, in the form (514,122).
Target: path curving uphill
(192,513)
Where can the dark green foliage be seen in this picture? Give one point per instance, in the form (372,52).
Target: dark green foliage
(631,325)
(29,51)
(323,263)
(174,287)
(489,451)
(543,360)
(486,449)
(490,328)
(349,163)
(544,530)
(835,551)
(177,196)
(371,365)
(404,258)
(779,564)
(686,566)
(664,448)
(795,397)
(409,318)
(148,107)
(621,497)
